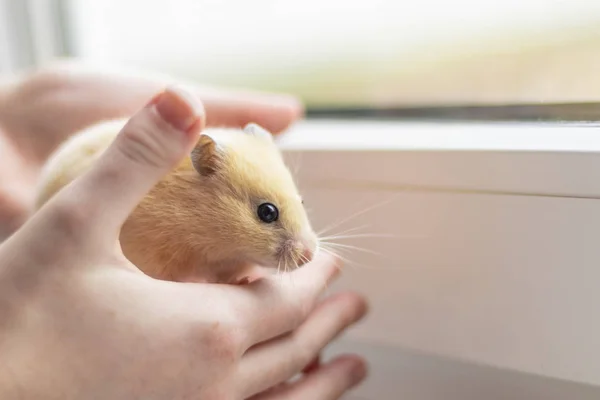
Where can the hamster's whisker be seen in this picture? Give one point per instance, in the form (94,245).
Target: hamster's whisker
(297,163)
(308,210)
(303,259)
(346,231)
(337,254)
(340,254)
(334,253)
(360,235)
(342,249)
(285,265)
(350,247)
(350,217)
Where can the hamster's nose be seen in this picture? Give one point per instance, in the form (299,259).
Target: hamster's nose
(307,247)
(308,250)
(307,254)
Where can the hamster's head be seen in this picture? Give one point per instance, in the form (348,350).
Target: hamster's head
(255,207)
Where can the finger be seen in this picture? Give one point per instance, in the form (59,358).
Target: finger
(313,365)
(152,142)
(123,91)
(272,306)
(328,382)
(236,109)
(278,360)
(17,179)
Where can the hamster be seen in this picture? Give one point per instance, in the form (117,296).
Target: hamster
(232,205)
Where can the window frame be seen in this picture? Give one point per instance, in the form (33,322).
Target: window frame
(32,33)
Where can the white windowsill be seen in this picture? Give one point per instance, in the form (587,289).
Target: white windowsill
(494,261)
(534,159)
(393,135)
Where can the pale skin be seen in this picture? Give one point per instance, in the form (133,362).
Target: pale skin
(77,320)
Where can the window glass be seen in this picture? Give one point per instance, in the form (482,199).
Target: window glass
(358,53)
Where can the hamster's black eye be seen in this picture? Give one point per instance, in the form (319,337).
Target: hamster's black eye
(268,213)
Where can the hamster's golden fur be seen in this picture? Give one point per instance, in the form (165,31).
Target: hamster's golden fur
(200,222)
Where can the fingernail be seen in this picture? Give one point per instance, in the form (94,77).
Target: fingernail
(358,373)
(179,108)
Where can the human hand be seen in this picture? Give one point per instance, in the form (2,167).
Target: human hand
(39,110)
(77,320)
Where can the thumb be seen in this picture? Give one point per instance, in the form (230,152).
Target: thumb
(152,142)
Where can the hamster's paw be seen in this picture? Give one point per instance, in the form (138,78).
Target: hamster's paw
(242,281)
(248,276)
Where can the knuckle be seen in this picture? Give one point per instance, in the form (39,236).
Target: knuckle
(304,350)
(138,145)
(143,141)
(226,345)
(70,217)
(223,340)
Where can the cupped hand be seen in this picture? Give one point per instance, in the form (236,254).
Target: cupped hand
(77,320)
(40,109)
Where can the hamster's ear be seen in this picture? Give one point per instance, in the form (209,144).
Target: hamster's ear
(206,156)
(258,131)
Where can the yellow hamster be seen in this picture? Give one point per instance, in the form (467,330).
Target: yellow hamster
(228,207)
